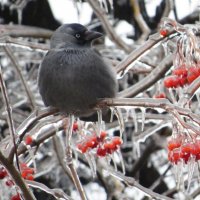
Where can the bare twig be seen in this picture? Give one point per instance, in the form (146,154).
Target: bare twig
(23,44)
(29,123)
(10,117)
(17,178)
(24,31)
(176,111)
(23,81)
(69,159)
(57,193)
(149,80)
(139,18)
(100,13)
(131,182)
(137,53)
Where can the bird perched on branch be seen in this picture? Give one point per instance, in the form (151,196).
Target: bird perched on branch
(72,75)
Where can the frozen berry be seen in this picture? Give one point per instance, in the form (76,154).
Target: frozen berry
(75,126)
(164,32)
(101,152)
(160,96)
(3,173)
(16,197)
(28,140)
(180,71)
(171,82)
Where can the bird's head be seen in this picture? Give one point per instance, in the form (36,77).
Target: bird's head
(73,35)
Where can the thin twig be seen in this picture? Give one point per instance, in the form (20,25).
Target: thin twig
(137,53)
(69,159)
(30,123)
(131,182)
(57,193)
(140,20)
(60,155)
(149,80)
(24,31)
(176,111)
(23,81)
(100,13)
(10,117)
(17,178)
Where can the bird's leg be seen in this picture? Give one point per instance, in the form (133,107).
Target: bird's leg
(69,158)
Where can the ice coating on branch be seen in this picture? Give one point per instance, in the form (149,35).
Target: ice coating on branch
(118,113)
(143,112)
(92,163)
(134,117)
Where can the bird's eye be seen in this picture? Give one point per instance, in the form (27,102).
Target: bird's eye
(77,35)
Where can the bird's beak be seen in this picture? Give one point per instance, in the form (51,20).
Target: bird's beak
(91,35)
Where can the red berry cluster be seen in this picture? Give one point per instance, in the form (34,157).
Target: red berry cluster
(27,172)
(102,144)
(181,76)
(8,182)
(183,149)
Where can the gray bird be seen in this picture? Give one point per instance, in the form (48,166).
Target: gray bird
(72,75)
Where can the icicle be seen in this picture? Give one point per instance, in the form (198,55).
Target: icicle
(111,114)
(114,162)
(91,163)
(143,110)
(122,161)
(99,122)
(172,96)
(198,99)
(134,117)
(179,173)
(19,15)
(31,153)
(69,130)
(191,167)
(120,120)
(136,149)
(111,3)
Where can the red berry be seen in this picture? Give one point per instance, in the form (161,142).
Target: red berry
(186,148)
(193,73)
(171,82)
(3,173)
(110,147)
(101,152)
(117,140)
(175,156)
(82,147)
(180,71)
(160,96)
(23,165)
(26,172)
(103,135)
(9,183)
(30,177)
(185,156)
(16,197)
(164,32)
(28,140)
(174,143)
(75,126)
(195,148)
(183,81)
